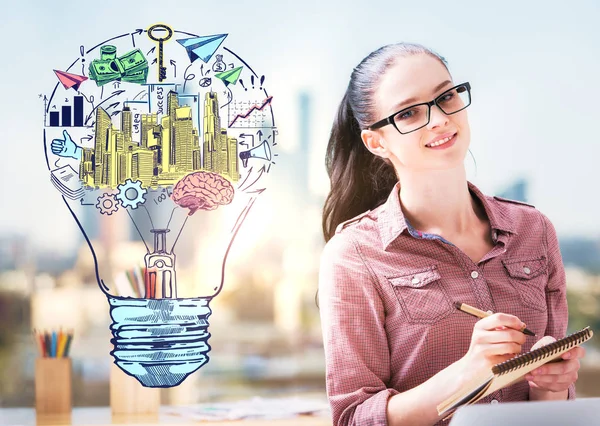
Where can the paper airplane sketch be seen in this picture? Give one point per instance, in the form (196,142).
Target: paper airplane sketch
(70,80)
(230,76)
(202,47)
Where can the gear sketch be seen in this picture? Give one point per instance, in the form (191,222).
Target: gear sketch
(107,204)
(127,189)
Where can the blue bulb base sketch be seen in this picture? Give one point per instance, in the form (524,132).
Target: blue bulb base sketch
(160,341)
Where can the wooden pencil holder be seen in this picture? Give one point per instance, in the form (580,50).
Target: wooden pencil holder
(129,398)
(53,386)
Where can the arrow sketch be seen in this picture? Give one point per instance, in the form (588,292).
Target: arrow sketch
(260,172)
(136,32)
(115,93)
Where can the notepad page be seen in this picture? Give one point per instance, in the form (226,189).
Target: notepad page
(503,380)
(481,386)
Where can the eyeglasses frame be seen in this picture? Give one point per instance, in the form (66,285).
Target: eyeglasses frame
(390,119)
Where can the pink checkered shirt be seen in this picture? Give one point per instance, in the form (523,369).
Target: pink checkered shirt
(386,298)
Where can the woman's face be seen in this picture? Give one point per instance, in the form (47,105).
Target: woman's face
(411,80)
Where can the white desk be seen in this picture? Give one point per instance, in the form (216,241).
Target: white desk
(102,416)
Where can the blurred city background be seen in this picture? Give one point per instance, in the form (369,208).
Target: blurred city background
(533,139)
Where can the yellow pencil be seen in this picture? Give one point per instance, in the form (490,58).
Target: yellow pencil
(481,314)
(59,340)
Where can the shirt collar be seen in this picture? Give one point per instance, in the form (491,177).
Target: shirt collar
(392,221)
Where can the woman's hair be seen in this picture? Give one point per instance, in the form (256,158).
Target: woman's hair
(360,180)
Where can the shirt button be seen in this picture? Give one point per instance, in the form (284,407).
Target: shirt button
(526,270)
(493,401)
(415,280)
(474,274)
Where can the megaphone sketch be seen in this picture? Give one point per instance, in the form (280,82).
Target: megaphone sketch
(263,152)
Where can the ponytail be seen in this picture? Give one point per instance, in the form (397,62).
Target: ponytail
(360,180)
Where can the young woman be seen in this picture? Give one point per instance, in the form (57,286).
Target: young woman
(408,236)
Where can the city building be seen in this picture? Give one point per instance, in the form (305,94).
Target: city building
(168,150)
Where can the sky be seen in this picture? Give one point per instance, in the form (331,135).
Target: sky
(533,67)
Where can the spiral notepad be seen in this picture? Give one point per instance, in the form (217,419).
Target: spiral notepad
(510,371)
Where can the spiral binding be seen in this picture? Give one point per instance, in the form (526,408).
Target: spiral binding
(568,342)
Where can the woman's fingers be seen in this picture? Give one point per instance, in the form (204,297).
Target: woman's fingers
(501,336)
(500,320)
(557,368)
(577,352)
(495,349)
(546,340)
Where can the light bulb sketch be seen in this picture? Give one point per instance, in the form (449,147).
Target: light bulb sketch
(134,138)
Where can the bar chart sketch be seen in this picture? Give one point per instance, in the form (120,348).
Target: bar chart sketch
(68,116)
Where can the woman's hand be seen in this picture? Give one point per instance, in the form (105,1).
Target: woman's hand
(555,376)
(496,338)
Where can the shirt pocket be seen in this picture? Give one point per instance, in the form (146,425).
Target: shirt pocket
(528,276)
(422,295)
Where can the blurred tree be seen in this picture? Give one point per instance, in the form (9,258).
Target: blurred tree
(584,310)
(10,316)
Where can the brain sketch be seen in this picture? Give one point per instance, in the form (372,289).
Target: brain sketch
(202,191)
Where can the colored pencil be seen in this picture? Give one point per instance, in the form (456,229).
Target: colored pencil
(146,284)
(68,344)
(47,343)
(131,280)
(53,345)
(137,280)
(64,344)
(40,338)
(61,344)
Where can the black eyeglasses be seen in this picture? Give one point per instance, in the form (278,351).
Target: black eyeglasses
(416,116)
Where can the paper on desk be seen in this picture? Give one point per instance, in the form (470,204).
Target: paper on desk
(256,408)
